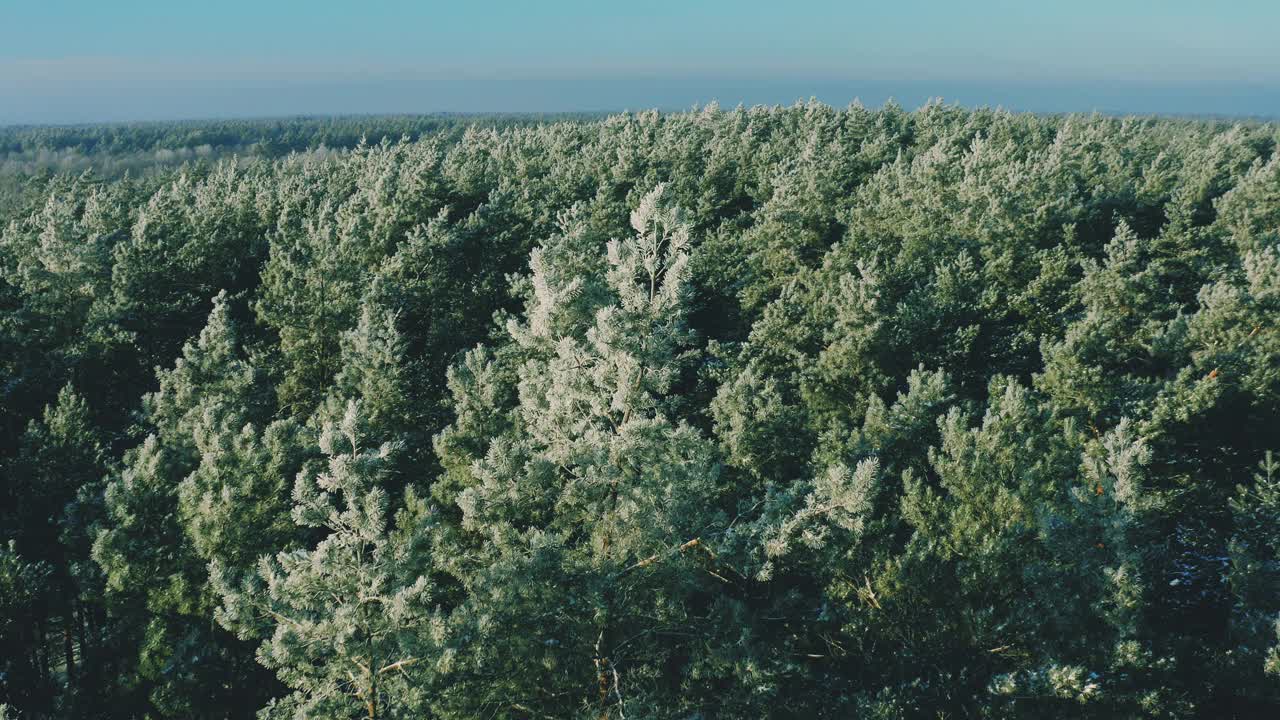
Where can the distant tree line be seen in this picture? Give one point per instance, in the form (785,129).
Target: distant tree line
(147,148)
(787,412)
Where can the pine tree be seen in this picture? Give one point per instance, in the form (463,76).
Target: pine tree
(156,577)
(373,371)
(342,222)
(1255,568)
(596,500)
(353,622)
(346,624)
(56,486)
(25,677)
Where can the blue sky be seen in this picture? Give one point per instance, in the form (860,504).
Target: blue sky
(79,61)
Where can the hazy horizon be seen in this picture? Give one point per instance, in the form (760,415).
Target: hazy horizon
(66,61)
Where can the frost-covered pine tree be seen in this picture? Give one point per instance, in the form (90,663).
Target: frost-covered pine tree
(589,518)
(347,624)
(373,360)
(155,574)
(52,491)
(350,621)
(1255,567)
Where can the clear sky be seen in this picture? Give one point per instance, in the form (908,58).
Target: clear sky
(90,60)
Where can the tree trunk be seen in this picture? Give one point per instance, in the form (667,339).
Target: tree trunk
(42,654)
(82,629)
(68,647)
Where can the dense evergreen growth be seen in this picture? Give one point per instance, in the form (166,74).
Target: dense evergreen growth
(114,148)
(781,412)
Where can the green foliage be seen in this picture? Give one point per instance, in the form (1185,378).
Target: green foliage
(199,484)
(794,412)
(353,623)
(590,509)
(1255,566)
(24,586)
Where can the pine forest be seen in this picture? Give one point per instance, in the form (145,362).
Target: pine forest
(771,412)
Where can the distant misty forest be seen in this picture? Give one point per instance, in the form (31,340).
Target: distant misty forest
(110,150)
(771,412)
